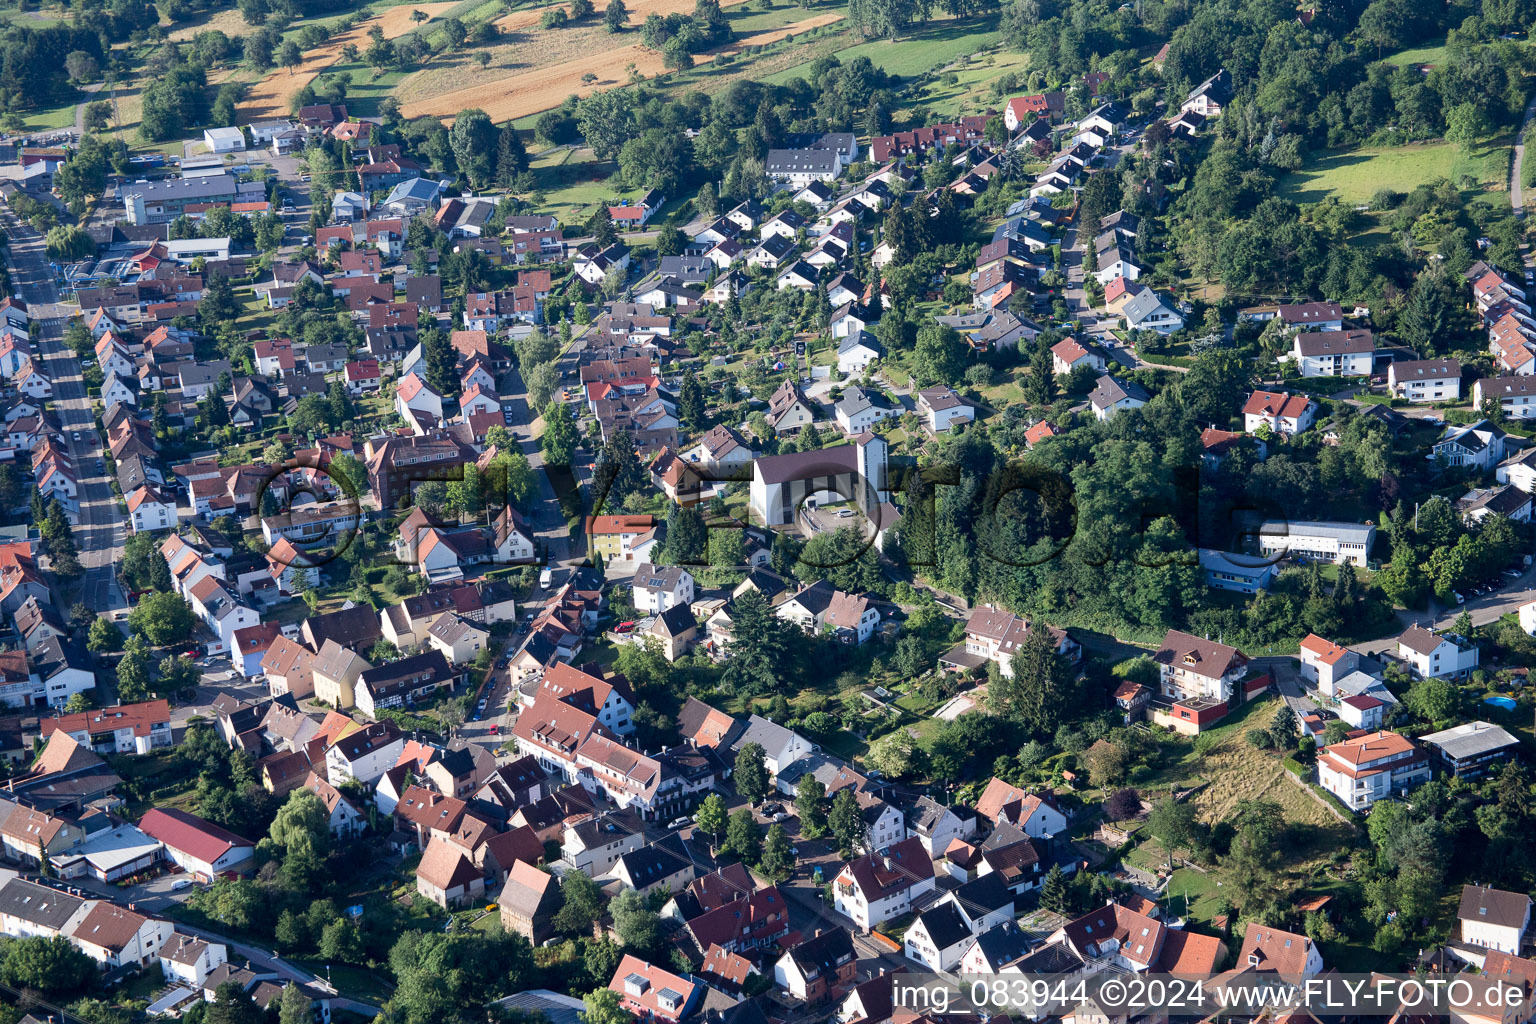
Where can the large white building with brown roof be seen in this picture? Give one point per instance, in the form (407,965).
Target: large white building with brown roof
(1283,413)
(1493,918)
(1366,768)
(1324,662)
(1435,655)
(879,886)
(996,635)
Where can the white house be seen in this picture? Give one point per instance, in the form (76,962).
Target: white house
(188,961)
(879,886)
(781,746)
(1283,413)
(1364,769)
(197,846)
(1516,394)
(942,933)
(224,140)
(941,408)
(1317,542)
(1334,353)
(1433,656)
(1425,380)
(1323,662)
(856,353)
(1111,395)
(1493,918)
(658,588)
(1477,445)
(1146,311)
(149,510)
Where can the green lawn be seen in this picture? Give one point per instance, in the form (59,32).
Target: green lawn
(1433,54)
(746,23)
(62,116)
(1355,175)
(932,47)
(968,94)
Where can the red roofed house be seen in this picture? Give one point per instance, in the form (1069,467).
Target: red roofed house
(1324,662)
(1021,110)
(447,876)
(1039,432)
(1035,814)
(621,538)
(197,846)
(1364,769)
(1273,950)
(124,729)
(1362,711)
(1069,353)
(1118,292)
(363,376)
(653,994)
(1133,941)
(1283,413)
(879,886)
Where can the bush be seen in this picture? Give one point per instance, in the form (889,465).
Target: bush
(555,17)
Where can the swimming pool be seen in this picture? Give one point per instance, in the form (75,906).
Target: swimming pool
(1507,703)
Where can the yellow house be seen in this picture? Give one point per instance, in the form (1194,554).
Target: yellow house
(621,538)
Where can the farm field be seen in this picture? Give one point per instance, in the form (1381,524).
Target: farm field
(547,65)
(271,96)
(1356,175)
(935,46)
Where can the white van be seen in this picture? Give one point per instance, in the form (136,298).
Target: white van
(547,576)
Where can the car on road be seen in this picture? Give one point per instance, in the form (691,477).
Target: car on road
(495,729)
(180,884)
(76,435)
(677,823)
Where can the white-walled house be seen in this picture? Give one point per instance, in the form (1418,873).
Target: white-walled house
(1432,656)
(872,889)
(1493,918)
(1324,662)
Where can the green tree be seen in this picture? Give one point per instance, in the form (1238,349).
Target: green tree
(939,357)
(582,903)
(777,862)
(1174,824)
(162,619)
(810,795)
(475,141)
(751,772)
(616,19)
(104,636)
(763,646)
(232,1004)
(52,966)
(1035,693)
(846,820)
(601,1005)
(744,836)
(1055,895)
(294,1007)
(638,925)
(558,442)
(712,816)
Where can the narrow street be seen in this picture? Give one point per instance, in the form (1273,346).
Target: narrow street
(100,532)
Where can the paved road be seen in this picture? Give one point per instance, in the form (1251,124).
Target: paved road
(1516,171)
(101,531)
